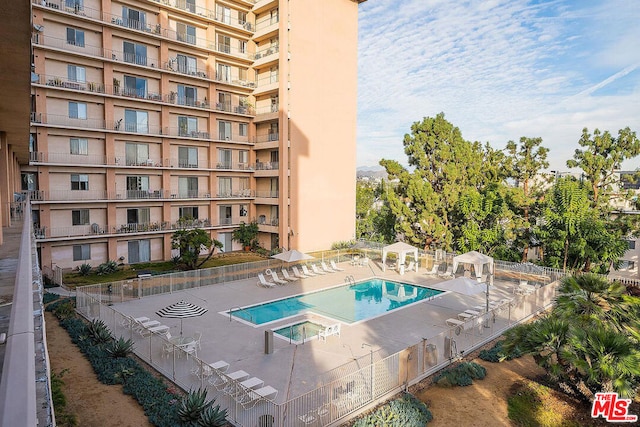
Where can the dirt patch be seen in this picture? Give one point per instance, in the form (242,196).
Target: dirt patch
(94,404)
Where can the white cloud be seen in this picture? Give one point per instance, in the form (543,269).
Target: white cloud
(499,70)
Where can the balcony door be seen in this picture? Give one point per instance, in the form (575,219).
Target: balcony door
(225,215)
(139,251)
(137,187)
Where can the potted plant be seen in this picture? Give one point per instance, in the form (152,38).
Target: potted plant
(247,235)
(116,86)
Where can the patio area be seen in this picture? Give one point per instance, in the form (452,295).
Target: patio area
(298,371)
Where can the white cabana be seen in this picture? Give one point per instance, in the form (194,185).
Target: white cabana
(402,249)
(476,259)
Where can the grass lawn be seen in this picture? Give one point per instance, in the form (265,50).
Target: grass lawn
(126,272)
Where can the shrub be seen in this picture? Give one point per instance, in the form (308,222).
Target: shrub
(346,244)
(63,308)
(49,297)
(119,348)
(98,332)
(461,375)
(108,267)
(192,405)
(84,269)
(213,416)
(406,411)
(495,354)
(63,418)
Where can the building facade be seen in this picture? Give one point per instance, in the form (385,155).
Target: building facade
(150,116)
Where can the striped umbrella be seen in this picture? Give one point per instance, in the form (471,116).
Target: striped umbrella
(181,310)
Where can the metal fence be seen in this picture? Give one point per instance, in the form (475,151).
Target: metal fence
(347,390)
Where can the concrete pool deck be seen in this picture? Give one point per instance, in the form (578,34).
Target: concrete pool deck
(295,369)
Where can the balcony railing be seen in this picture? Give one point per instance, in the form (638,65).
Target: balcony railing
(237,108)
(234,80)
(97,229)
(266,52)
(100,124)
(123,161)
(234,166)
(89,195)
(267,194)
(235,194)
(260,166)
(268,109)
(264,220)
(267,23)
(271,137)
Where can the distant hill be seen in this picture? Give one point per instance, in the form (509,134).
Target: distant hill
(372,172)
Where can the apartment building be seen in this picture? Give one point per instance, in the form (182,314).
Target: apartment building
(150,116)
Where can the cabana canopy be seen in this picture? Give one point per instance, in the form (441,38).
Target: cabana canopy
(476,259)
(402,249)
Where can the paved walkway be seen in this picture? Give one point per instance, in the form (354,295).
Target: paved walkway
(9,260)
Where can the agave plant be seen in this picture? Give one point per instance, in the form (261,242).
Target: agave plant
(192,406)
(98,331)
(119,348)
(213,416)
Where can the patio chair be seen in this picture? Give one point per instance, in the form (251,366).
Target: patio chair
(328,331)
(285,274)
(306,271)
(317,270)
(364,261)
(412,266)
(189,349)
(448,273)
(297,273)
(325,268)
(274,277)
(334,266)
(434,270)
(263,282)
(196,338)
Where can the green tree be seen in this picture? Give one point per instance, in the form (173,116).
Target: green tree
(601,156)
(374,220)
(246,235)
(526,160)
(192,242)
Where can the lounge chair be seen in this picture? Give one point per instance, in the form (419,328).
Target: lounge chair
(334,266)
(263,282)
(325,268)
(286,275)
(239,391)
(448,273)
(434,270)
(297,273)
(254,396)
(275,278)
(306,271)
(328,331)
(223,380)
(412,266)
(317,270)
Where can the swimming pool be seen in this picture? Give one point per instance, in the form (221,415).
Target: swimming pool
(300,332)
(348,303)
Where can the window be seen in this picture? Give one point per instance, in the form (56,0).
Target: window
(136,154)
(225,216)
(273,132)
(632,244)
(76,74)
(273,75)
(187,126)
(243,185)
(224,130)
(274,16)
(76,5)
(135,53)
(224,44)
(223,14)
(242,17)
(80,217)
(79,146)
(75,37)
(188,157)
(77,110)
(189,5)
(224,158)
(243,157)
(136,121)
(135,86)
(243,210)
(224,101)
(138,216)
(242,46)
(186,33)
(224,187)
(223,73)
(81,252)
(137,187)
(186,64)
(242,75)
(133,18)
(243,129)
(33,143)
(187,95)
(188,212)
(139,251)
(79,182)
(188,186)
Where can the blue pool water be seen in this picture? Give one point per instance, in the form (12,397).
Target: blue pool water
(300,331)
(349,303)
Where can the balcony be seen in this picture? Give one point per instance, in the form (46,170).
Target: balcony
(267,167)
(237,109)
(121,195)
(268,225)
(266,55)
(270,137)
(94,124)
(235,194)
(234,80)
(234,166)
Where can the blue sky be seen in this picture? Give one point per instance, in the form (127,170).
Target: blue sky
(499,70)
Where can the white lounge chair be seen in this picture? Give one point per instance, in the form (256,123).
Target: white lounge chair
(434,270)
(263,282)
(325,268)
(297,273)
(254,396)
(275,277)
(286,275)
(334,266)
(448,273)
(412,266)
(306,271)
(317,270)
(328,331)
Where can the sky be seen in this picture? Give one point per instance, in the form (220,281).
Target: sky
(498,70)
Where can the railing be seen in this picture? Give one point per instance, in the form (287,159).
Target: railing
(234,80)
(260,166)
(268,80)
(267,194)
(25,389)
(271,137)
(235,194)
(267,109)
(342,396)
(264,24)
(73,195)
(263,220)
(91,123)
(234,166)
(266,52)
(236,108)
